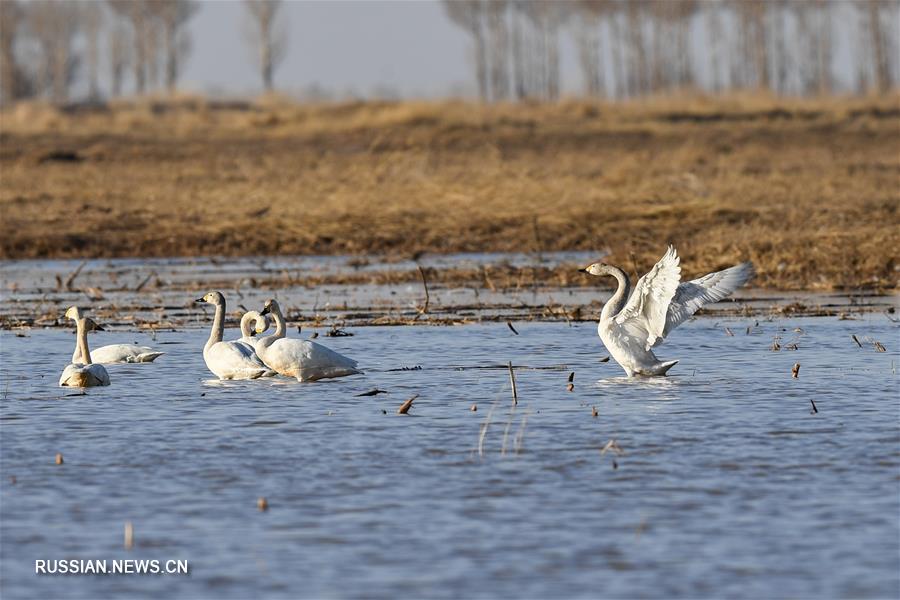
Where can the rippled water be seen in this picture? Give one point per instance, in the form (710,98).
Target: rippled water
(728,486)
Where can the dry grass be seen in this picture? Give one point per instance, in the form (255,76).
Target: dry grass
(808,190)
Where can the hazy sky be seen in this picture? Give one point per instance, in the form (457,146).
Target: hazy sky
(361,45)
(342,46)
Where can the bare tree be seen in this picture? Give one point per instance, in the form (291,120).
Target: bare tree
(54,26)
(138,17)
(268,37)
(173,15)
(498,34)
(92,20)
(119,55)
(12,77)
(469,15)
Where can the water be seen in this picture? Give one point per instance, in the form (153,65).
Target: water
(728,485)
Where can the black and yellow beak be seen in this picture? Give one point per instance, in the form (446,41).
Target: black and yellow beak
(264,311)
(583,270)
(199,300)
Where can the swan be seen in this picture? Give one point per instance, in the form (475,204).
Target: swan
(248,332)
(86,374)
(114,353)
(229,360)
(305,360)
(631,326)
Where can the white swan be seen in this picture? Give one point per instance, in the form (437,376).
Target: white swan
(305,360)
(86,374)
(250,334)
(631,326)
(229,360)
(114,353)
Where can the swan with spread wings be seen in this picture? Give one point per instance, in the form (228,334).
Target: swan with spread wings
(631,325)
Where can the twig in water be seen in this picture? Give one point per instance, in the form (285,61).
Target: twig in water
(314,335)
(612,446)
(795,371)
(814,410)
(604,359)
(71,278)
(521,435)
(473,408)
(594,412)
(424,309)
(59,458)
(729,332)
(879,347)
(571,385)
(404,408)
(262,504)
(372,392)
(855,339)
(145,281)
(511,328)
(512,383)
(129,535)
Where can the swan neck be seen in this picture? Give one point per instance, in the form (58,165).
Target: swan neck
(218,326)
(279,324)
(82,343)
(618,300)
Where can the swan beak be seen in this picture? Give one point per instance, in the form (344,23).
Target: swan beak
(582,270)
(98,327)
(264,311)
(199,301)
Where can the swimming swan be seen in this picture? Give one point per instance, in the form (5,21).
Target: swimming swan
(85,374)
(228,360)
(114,353)
(631,326)
(305,360)
(249,334)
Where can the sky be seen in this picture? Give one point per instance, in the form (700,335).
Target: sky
(346,47)
(356,47)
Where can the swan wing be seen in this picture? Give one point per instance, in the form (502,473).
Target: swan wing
(234,360)
(693,295)
(644,315)
(119,353)
(307,360)
(76,375)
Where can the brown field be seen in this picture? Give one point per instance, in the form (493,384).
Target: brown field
(809,191)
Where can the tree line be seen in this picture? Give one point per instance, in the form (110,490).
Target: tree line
(47,45)
(625,48)
(629,48)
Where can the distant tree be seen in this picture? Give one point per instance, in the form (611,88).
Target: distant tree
(136,13)
(92,21)
(469,15)
(268,37)
(54,26)
(119,54)
(13,81)
(173,15)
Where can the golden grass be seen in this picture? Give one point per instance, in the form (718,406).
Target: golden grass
(808,190)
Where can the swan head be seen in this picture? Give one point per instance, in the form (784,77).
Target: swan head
(215,298)
(91,325)
(271,306)
(597,268)
(262,323)
(73,313)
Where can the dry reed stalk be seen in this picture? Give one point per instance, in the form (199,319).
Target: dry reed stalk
(473,408)
(855,339)
(512,383)
(262,504)
(594,412)
(729,332)
(59,458)
(814,409)
(424,309)
(511,328)
(795,370)
(879,347)
(129,535)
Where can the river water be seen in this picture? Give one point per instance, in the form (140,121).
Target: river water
(720,481)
